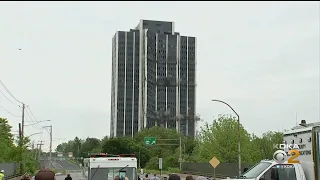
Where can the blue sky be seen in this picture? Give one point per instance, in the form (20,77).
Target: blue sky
(261,57)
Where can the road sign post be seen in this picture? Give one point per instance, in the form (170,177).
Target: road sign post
(160,165)
(150,140)
(214,163)
(153,141)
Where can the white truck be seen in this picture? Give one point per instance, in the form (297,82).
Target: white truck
(106,166)
(302,163)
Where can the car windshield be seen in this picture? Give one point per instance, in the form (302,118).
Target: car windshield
(256,170)
(110,173)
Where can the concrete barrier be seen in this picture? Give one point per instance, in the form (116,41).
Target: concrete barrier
(10,169)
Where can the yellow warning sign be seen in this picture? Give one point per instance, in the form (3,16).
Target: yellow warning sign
(214,162)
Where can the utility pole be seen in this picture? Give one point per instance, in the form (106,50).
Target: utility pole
(32,147)
(50,146)
(180,154)
(22,129)
(20,145)
(36,152)
(40,144)
(139,157)
(50,154)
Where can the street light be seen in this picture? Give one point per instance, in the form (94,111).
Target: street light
(36,123)
(239,149)
(34,134)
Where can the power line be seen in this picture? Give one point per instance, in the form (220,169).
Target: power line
(8,99)
(28,107)
(9,112)
(8,91)
(23,110)
(31,119)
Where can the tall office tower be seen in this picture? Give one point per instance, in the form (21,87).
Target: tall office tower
(153,79)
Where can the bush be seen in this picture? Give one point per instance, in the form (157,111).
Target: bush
(64,172)
(173,170)
(53,170)
(36,172)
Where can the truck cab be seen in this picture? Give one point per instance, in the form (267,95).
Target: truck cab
(107,166)
(302,164)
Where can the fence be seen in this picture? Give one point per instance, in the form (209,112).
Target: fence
(205,169)
(10,169)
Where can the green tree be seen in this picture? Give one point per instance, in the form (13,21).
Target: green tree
(118,146)
(76,147)
(6,141)
(12,153)
(90,145)
(166,147)
(267,141)
(220,140)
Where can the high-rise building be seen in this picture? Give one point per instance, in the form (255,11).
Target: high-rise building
(153,79)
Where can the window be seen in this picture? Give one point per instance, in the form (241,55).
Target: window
(256,170)
(110,173)
(280,171)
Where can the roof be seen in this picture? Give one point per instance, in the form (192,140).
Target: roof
(299,129)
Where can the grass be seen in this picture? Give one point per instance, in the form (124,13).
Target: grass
(53,170)
(157,171)
(64,172)
(72,161)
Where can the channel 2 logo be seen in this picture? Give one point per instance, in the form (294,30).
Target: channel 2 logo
(280,156)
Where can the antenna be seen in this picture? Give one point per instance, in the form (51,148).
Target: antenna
(296,119)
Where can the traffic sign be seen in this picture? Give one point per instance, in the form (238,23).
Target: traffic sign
(150,140)
(214,162)
(160,163)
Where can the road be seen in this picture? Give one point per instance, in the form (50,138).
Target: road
(59,164)
(75,176)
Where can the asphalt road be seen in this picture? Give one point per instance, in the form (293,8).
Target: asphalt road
(59,164)
(64,164)
(75,176)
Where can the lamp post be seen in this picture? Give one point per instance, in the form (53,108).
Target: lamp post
(34,134)
(239,149)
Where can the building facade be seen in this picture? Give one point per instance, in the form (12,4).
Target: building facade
(153,79)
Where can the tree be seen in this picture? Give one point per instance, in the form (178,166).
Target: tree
(267,141)
(166,147)
(90,145)
(12,153)
(6,141)
(220,140)
(76,147)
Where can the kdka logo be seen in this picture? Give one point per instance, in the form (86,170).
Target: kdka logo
(286,146)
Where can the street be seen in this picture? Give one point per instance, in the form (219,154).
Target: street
(75,176)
